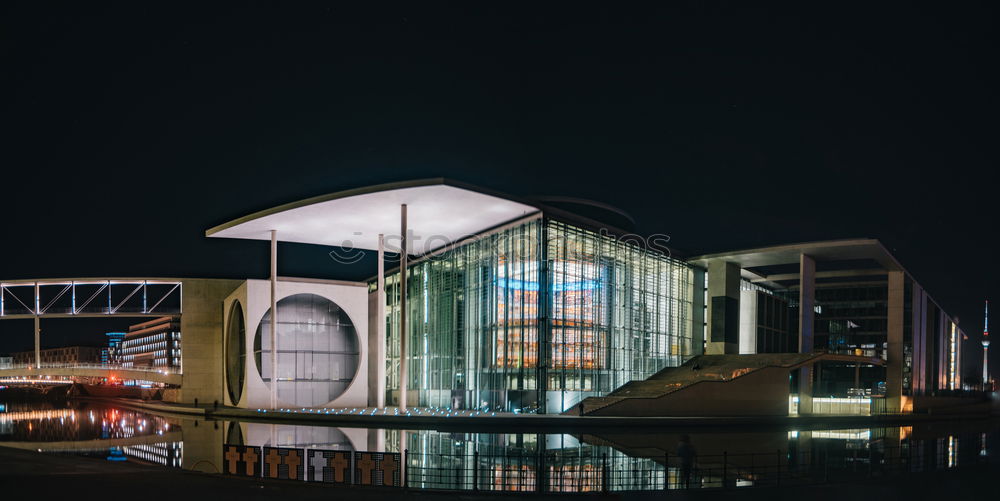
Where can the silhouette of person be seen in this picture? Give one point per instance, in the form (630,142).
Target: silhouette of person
(686,453)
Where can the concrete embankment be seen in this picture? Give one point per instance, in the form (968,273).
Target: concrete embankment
(524,422)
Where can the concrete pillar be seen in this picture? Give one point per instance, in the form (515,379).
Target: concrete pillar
(403,331)
(723,308)
(894,354)
(931,346)
(698,313)
(203,445)
(274,319)
(203,338)
(38,329)
(376,334)
(807,303)
(748,322)
(38,342)
(943,336)
(807,325)
(954,363)
(376,439)
(919,327)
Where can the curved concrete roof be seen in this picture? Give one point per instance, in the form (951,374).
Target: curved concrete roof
(439,211)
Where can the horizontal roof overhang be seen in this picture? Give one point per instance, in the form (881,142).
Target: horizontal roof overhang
(827,251)
(833,250)
(439,212)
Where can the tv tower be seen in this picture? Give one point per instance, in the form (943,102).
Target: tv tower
(986,345)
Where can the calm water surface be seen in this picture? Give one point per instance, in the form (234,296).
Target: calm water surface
(616,460)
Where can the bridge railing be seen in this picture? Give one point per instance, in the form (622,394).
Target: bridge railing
(43,366)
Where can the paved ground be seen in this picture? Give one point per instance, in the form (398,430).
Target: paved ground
(32,475)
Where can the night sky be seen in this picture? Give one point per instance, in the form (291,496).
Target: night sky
(129,130)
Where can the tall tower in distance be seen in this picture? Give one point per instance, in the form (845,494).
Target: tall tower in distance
(986,345)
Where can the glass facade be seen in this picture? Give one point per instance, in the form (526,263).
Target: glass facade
(318,350)
(537,316)
(851,319)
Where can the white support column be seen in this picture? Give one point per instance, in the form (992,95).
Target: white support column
(403,365)
(274,319)
(807,324)
(379,358)
(402,455)
(38,339)
(807,303)
(38,330)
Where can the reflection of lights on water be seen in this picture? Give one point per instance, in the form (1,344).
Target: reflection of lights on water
(952,452)
(10,417)
(445,412)
(857,434)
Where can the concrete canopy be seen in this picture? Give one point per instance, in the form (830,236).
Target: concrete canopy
(826,251)
(439,212)
(831,250)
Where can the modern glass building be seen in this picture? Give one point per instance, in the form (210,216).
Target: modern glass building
(517,305)
(538,315)
(842,297)
(154,343)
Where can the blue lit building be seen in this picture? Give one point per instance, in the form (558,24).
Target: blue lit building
(109,352)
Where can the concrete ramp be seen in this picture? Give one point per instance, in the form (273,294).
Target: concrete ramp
(712,385)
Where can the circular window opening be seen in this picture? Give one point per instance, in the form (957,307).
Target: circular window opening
(317,350)
(236,352)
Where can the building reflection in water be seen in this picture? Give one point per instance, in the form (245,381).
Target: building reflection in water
(116,434)
(585,462)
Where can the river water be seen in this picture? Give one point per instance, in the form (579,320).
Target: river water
(487,460)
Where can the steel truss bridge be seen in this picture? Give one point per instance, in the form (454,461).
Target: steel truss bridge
(87,297)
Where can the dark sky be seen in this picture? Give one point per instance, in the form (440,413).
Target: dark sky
(128,130)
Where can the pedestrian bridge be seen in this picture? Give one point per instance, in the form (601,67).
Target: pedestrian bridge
(111,372)
(100,444)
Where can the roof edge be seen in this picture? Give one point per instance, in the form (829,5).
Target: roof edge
(364,190)
(822,243)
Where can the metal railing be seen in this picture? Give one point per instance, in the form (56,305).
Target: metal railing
(551,472)
(70,365)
